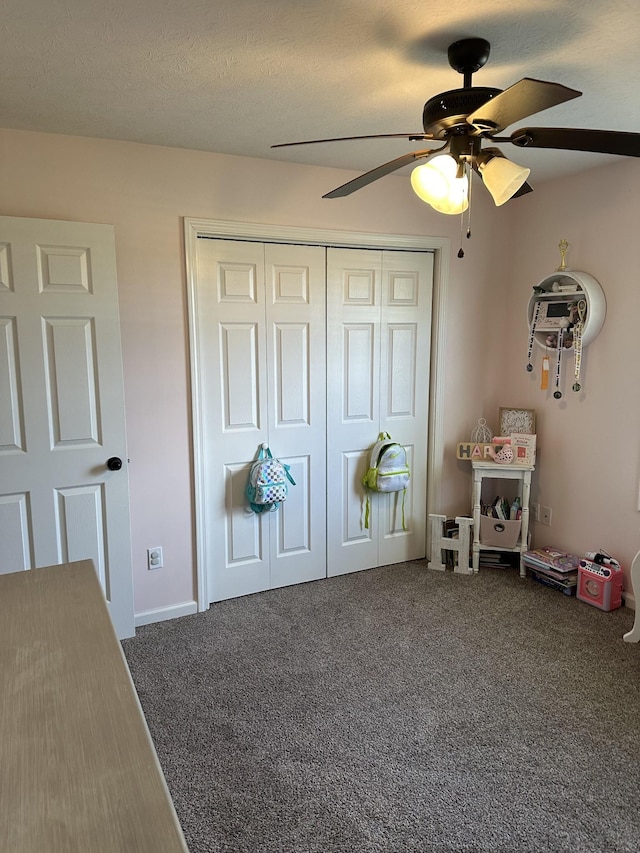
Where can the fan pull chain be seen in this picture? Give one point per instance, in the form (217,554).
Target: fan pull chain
(470,182)
(461,250)
(470,185)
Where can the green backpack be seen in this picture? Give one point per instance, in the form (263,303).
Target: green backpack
(388,471)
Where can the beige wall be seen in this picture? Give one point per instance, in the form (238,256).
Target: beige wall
(144,191)
(588,467)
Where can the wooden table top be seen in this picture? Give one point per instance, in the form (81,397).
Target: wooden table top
(78,770)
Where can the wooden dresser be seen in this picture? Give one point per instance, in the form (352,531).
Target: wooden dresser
(78,770)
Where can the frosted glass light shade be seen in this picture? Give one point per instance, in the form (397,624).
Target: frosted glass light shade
(436,183)
(502,178)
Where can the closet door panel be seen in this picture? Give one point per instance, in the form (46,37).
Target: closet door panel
(241,549)
(293,558)
(296,375)
(407,293)
(292,374)
(353,329)
(233,389)
(379,321)
(359,392)
(354,467)
(239,376)
(401,370)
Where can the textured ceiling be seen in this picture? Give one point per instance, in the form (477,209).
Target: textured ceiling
(236,76)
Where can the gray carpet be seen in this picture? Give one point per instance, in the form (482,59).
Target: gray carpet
(398,710)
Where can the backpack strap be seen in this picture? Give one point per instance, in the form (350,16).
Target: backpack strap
(367,509)
(261,453)
(286,471)
(269,454)
(383,439)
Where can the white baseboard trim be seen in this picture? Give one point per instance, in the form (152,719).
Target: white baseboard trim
(162,614)
(188,608)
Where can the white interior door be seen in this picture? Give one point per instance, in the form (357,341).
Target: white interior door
(378,345)
(260,326)
(62,405)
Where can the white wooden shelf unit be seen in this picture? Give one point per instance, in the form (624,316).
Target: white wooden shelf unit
(513,471)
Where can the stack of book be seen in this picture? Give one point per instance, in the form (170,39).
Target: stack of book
(502,508)
(554,568)
(499,559)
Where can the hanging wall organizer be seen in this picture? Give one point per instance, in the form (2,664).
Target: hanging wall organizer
(566,312)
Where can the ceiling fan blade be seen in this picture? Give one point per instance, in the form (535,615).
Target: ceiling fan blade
(414,137)
(380,171)
(575,139)
(523,99)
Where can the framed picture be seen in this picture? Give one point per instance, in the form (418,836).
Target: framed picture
(516,420)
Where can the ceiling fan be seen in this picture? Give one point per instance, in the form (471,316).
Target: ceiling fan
(461,119)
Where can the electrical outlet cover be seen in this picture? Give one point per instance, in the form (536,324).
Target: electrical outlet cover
(154,558)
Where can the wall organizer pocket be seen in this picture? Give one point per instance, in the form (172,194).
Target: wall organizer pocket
(566,312)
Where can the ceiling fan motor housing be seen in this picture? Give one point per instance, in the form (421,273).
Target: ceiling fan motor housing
(444,112)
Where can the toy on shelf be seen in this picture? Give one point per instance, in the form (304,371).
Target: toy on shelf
(503,456)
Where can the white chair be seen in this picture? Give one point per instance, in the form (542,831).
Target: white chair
(633,636)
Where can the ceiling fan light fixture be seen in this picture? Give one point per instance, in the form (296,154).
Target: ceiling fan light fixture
(436,184)
(501,177)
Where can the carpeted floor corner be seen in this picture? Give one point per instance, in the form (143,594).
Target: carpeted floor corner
(398,710)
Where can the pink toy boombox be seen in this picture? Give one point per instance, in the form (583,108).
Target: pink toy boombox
(600,584)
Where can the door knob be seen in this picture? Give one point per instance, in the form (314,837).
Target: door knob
(114,463)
